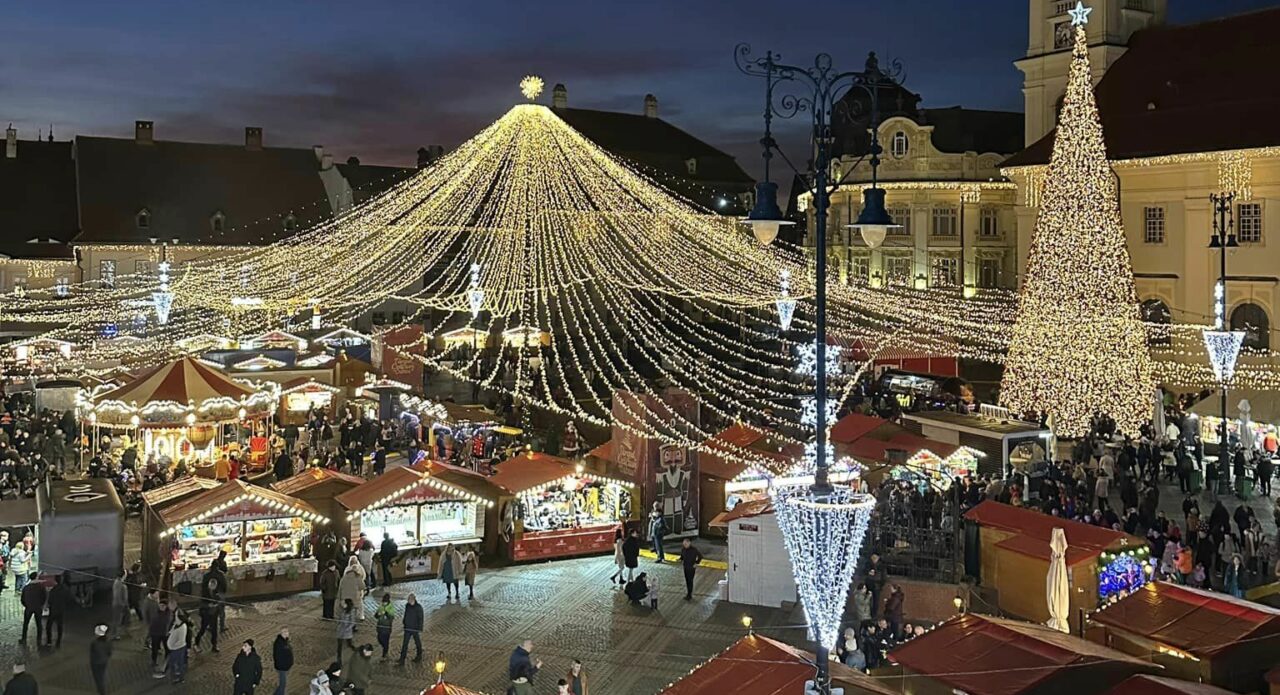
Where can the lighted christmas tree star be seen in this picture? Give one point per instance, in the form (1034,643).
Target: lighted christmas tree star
(531,87)
(1080,15)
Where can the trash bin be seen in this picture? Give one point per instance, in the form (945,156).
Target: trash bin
(1197,481)
(1244,487)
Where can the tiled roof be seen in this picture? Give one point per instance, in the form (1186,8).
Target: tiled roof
(1200,623)
(38,204)
(758,665)
(313,477)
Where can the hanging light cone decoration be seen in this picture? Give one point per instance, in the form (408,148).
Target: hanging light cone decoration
(475,295)
(162,300)
(1223,348)
(823,533)
(786,305)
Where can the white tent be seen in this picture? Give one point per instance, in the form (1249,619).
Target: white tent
(1057,593)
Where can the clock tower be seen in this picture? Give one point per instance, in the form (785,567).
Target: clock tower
(1049,38)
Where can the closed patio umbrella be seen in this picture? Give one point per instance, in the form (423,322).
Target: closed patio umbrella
(1056,591)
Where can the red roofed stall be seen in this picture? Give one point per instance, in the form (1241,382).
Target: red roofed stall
(1194,634)
(980,655)
(758,665)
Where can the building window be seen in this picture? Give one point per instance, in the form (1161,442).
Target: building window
(897,270)
(944,270)
(990,223)
(988,272)
(901,215)
(142,267)
(1249,223)
(1156,315)
(107,273)
(290,223)
(218,222)
(1252,319)
(62,287)
(397,317)
(379,318)
(143,219)
(691,166)
(944,221)
(898,145)
(1153,224)
(859,268)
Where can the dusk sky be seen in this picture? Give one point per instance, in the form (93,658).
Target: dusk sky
(380,78)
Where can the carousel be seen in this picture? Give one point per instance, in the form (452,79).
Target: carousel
(184,411)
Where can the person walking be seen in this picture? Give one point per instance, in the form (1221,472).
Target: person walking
(387,555)
(470,563)
(328,589)
(246,669)
(351,587)
(176,642)
(412,623)
(346,627)
(522,664)
(59,600)
(22,683)
(619,560)
(119,605)
(450,571)
(657,529)
(209,620)
(282,660)
(364,551)
(134,583)
(99,657)
(359,671)
(158,630)
(577,678)
(689,559)
(385,617)
(33,596)
(631,554)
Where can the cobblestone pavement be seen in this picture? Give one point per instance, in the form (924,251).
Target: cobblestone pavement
(567,607)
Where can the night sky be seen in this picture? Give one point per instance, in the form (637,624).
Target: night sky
(380,78)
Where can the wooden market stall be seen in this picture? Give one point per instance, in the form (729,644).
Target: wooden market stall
(153,503)
(758,665)
(1005,442)
(299,396)
(320,487)
(421,512)
(1195,635)
(1012,548)
(266,535)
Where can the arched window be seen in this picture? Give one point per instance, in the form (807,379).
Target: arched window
(898,145)
(1155,313)
(143,219)
(1252,319)
(218,222)
(290,223)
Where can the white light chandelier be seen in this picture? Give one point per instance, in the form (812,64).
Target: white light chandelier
(1223,348)
(823,532)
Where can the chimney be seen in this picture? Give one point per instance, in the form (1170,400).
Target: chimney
(559,96)
(252,138)
(326,162)
(11,142)
(319,152)
(144,132)
(429,154)
(650,106)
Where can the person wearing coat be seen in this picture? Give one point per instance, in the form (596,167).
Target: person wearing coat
(346,627)
(23,683)
(861,604)
(412,623)
(450,571)
(247,669)
(352,586)
(470,564)
(893,610)
(1232,579)
(282,660)
(320,684)
(577,679)
(619,561)
(328,589)
(631,553)
(99,657)
(358,673)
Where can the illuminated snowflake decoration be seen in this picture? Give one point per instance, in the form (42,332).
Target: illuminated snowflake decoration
(809,411)
(807,360)
(1223,348)
(823,533)
(531,87)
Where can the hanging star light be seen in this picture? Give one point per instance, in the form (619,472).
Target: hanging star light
(531,87)
(475,295)
(1079,15)
(823,533)
(1223,348)
(786,305)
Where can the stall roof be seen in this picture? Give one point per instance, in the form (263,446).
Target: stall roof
(520,473)
(394,483)
(475,483)
(729,464)
(604,452)
(1157,685)
(982,655)
(313,477)
(877,449)
(1197,622)
(178,489)
(743,510)
(1038,528)
(758,665)
(88,496)
(229,493)
(855,426)
(181,381)
(991,428)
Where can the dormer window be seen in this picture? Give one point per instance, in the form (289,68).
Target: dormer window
(691,165)
(290,222)
(218,222)
(898,145)
(143,219)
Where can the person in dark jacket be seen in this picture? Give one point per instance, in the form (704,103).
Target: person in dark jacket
(99,657)
(282,659)
(247,669)
(158,632)
(22,683)
(329,589)
(689,559)
(631,553)
(59,600)
(33,597)
(386,555)
(893,610)
(412,621)
(134,585)
(522,664)
(283,466)
(359,670)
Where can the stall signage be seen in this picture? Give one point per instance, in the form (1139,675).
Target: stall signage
(248,511)
(554,544)
(83,493)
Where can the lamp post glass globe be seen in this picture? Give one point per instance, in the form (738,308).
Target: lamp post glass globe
(874,222)
(765,218)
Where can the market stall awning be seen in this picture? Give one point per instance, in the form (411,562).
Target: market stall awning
(723,459)
(1158,685)
(252,500)
(757,665)
(313,477)
(465,478)
(177,490)
(1199,623)
(855,426)
(1039,527)
(527,471)
(982,655)
(182,381)
(402,485)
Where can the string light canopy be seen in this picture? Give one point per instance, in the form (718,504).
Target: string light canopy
(1078,344)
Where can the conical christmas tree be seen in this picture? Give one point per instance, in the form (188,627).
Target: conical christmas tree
(1079,345)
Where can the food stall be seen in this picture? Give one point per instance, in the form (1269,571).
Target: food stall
(156,500)
(556,508)
(421,512)
(464,337)
(181,410)
(266,535)
(300,396)
(525,336)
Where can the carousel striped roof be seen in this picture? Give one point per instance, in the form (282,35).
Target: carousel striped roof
(182,381)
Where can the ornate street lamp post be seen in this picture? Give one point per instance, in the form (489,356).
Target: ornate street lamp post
(1222,345)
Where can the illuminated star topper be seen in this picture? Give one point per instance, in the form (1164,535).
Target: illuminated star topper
(531,87)
(1080,15)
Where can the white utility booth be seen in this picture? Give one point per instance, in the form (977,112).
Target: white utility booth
(759,570)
